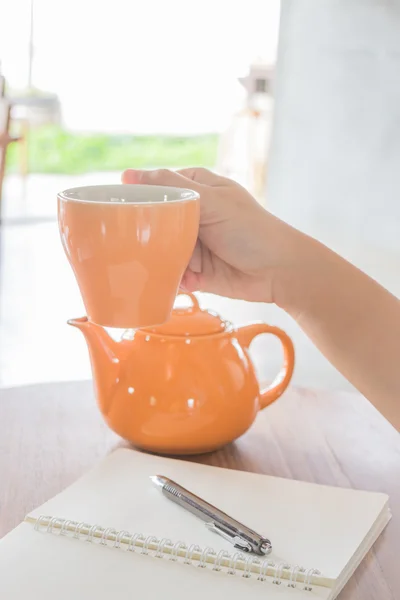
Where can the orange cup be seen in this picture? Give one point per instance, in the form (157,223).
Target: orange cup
(128,246)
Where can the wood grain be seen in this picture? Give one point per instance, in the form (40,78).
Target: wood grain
(51,434)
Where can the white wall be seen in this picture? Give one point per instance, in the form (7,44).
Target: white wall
(335,155)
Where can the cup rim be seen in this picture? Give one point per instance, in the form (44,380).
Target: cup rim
(187,195)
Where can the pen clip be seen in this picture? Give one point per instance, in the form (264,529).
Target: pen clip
(230,536)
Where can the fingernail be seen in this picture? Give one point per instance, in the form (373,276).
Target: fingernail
(189,281)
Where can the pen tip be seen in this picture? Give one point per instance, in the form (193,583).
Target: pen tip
(266,547)
(157,480)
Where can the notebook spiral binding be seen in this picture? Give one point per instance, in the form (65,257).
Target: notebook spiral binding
(249,566)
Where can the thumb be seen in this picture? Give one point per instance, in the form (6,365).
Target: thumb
(159,177)
(208,206)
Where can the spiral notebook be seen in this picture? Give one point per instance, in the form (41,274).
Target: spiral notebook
(112,534)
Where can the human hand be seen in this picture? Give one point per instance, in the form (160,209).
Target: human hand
(245,252)
(229,258)
(238,249)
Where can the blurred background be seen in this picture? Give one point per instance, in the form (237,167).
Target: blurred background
(142,83)
(298,102)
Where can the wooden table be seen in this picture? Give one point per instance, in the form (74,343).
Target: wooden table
(51,434)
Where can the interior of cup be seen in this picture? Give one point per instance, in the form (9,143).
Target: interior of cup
(127,194)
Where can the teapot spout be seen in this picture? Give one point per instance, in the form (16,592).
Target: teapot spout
(82,323)
(103,351)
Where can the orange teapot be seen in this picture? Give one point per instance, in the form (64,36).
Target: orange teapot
(185,387)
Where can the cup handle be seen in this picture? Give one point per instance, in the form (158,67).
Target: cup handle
(247,334)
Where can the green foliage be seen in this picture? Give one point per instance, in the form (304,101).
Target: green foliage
(55,150)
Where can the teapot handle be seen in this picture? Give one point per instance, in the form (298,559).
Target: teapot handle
(246,335)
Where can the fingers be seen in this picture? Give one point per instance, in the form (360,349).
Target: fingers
(190,281)
(197,179)
(195,264)
(158,177)
(205,177)
(202,176)
(197,176)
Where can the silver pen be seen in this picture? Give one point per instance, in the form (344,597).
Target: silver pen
(239,535)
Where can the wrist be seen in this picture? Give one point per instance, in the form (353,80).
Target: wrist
(305,271)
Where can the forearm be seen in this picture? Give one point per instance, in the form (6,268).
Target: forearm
(353,321)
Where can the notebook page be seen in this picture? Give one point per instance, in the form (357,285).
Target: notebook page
(42,566)
(309,525)
(361,552)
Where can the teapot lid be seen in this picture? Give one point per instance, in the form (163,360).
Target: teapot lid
(191,321)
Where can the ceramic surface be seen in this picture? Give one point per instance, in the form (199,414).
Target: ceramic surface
(128,246)
(185,387)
